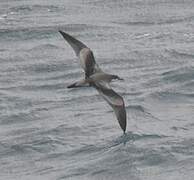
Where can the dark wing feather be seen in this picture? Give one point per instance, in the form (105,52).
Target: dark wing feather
(89,63)
(115,101)
(75,44)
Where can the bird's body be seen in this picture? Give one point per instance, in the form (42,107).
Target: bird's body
(103,77)
(98,79)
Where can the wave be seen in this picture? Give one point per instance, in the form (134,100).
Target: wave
(151,22)
(44,46)
(21,34)
(130,136)
(34,8)
(179,54)
(173,97)
(45,68)
(116,155)
(182,74)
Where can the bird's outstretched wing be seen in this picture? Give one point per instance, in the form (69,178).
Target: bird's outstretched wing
(85,55)
(115,101)
(74,43)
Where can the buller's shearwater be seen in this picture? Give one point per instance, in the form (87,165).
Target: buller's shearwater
(96,78)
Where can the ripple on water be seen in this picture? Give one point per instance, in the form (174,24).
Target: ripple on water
(34,8)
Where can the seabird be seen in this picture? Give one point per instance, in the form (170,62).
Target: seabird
(96,78)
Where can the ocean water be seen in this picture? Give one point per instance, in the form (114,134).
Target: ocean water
(49,132)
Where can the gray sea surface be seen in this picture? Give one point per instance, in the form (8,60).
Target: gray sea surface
(49,132)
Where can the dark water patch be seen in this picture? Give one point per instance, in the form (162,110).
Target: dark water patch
(99,172)
(187,87)
(185,147)
(179,75)
(46,68)
(32,144)
(174,20)
(187,95)
(154,22)
(189,126)
(138,4)
(22,132)
(111,65)
(20,150)
(180,54)
(15,109)
(40,72)
(17,118)
(42,87)
(118,61)
(64,130)
(46,74)
(49,47)
(83,98)
(65,77)
(172,97)
(35,8)
(71,28)
(132,93)
(12,150)
(175,128)
(53,156)
(9,60)
(20,34)
(15,101)
(114,145)
(130,137)
(146,155)
(3,50)
(75,173)
(155,158)
(118,155)
(4,149)
(59,77)
(161,36)
(20,9)
(46,32)
(136,23)
(42,144)
(87,149)
(45,170)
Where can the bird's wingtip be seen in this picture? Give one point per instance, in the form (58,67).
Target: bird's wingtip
(61,32)
(123,127)
(72,85)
